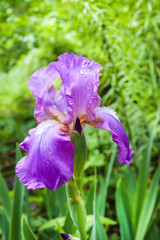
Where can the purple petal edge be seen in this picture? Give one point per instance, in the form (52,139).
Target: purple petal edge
(40,81)
(107,119)
(49,102)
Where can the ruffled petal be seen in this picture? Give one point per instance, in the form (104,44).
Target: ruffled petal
(50,106)
(40,81)
(80,78)
(107,119)
(49,161)
(50,103)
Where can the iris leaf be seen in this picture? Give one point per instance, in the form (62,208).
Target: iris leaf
(148,206)
(101,201)
(143,174)
(4,223)
(4,195)
(123,210)
(98,231)
(15,227)
(27,232)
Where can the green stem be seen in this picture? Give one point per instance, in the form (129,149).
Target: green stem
(74,185)
(78,183)
(82,235)
(77,209)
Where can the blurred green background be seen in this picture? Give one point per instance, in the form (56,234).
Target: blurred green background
(124,37)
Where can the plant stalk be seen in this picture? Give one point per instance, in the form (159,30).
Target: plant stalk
(74,185)
(77,208)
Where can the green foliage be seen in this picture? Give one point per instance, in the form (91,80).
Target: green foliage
(103,189)
(144,172)
(98,231)
(136,205)
(27,232)
(5,197)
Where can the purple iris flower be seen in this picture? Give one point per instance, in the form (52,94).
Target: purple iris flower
(50,153)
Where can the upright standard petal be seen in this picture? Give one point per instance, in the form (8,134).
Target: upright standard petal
(107,119)
(50,106)
(49,161)
(50,102)
(40,81)
(80,78)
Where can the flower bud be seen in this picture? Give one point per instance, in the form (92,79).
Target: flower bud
(68,237)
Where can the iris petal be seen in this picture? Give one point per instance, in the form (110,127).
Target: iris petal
(49,161)
(80,78)
(107,119)
(40,81)
(50,106)
(50,102)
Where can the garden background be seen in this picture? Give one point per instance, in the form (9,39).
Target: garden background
(124,37)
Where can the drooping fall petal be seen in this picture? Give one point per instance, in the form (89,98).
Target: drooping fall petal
(49,161)
(107,119)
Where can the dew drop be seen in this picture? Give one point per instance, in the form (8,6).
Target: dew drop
(47,163)
(81,72)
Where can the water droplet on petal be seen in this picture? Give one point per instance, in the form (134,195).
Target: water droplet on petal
(81,72)
(47,163)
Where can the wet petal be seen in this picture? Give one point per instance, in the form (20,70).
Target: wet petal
(50,102)
(40,81)
(50,106)
(80,78)
(49,161)
(107,119)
